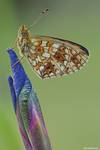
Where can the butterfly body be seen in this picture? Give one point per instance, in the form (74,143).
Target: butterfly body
(24,40)
(49,56)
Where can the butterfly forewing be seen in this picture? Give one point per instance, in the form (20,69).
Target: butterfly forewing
(51,57)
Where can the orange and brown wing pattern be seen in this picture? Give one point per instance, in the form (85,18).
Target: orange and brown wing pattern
(51,57)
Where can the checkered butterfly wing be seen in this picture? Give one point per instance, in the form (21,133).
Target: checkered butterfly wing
(51,57)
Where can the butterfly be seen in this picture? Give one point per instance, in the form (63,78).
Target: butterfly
(49,56)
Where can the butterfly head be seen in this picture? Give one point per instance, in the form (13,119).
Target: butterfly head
(23,32)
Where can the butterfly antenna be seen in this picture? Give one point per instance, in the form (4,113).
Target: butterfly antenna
(42,14)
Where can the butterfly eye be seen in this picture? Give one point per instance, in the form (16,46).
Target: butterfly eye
(24,34)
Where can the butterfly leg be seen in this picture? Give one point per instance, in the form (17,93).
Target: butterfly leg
(15,43)
(19,60)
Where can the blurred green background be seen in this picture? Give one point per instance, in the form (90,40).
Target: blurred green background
(70,104)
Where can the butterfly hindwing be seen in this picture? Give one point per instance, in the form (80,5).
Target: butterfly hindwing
(51,57)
